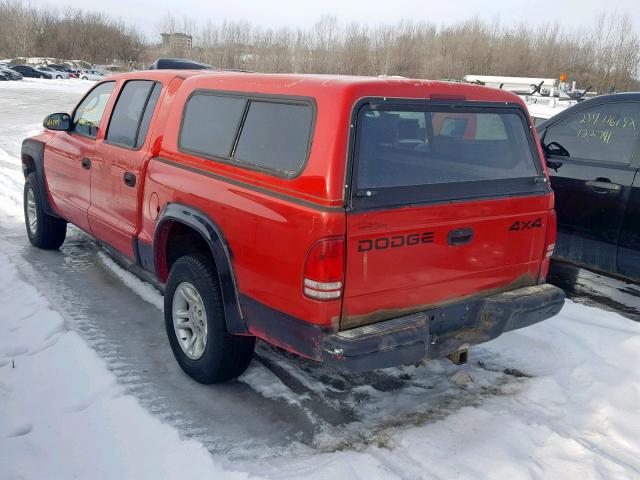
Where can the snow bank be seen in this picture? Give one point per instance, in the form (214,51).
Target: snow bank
(574,414)
(578,417)
(63,414)
(40,84)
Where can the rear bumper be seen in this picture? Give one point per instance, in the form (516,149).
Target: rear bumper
(439,332)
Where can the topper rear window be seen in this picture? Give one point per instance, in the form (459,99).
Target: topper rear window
(420,153)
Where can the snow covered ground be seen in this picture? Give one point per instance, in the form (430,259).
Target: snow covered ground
(89,389)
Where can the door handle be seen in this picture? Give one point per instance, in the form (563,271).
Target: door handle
(460,236)
(86,163)
(129,179)
(603,186)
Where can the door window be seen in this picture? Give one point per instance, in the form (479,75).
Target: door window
(130,121)
(148,113)
(86,118)
(602,133)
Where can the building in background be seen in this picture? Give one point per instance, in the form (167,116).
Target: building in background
(176,41)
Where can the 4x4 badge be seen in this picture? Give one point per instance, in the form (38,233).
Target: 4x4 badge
(518,226)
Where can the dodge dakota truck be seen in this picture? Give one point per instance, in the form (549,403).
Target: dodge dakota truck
(360,222)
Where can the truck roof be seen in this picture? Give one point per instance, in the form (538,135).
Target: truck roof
(334,98)
(312,84)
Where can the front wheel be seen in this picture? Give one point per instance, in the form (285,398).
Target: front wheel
(85,78)
(59,77)
(196,324)
(44,231)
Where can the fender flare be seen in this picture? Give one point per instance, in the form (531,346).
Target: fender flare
(33,150)
(207,228)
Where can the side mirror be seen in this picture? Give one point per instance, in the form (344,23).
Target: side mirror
(554,165)
(57,121)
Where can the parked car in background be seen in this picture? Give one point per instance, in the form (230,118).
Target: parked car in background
(63,68)
(360,222)
(593,155)
(92,75)
(178,64)
(10,74)
(30,72)
(54,73)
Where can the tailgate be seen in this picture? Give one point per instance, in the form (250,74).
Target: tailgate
(448,203)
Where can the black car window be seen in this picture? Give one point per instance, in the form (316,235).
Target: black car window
(125,123)
(275,136)
(87,116)
(602,133)
(210,124)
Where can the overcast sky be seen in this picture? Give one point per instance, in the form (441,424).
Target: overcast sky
(301,13)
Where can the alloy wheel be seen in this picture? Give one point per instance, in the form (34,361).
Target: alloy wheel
(32,214)
(189,320)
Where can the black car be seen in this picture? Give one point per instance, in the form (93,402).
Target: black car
(64,68)
(178,64)
(593,154)
(30,72)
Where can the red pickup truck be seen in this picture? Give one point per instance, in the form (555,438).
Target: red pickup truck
(360,222)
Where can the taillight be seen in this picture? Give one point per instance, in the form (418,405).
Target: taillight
(549,245)
(324,269)
(552,233)
(550,248)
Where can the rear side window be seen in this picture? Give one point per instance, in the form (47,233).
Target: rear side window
(132,113)
(210,124)
(148,113)
(602,133)
(275,136)
(262,134)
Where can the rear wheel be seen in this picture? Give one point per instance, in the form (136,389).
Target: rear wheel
(59,77)
(44,231)
(196,325)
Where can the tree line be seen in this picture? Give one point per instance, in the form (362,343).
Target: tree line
(604,55)
(67,33)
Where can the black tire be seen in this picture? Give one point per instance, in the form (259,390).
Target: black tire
(58,77)
(225,356)
(49,232)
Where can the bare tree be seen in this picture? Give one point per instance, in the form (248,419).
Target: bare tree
(605,56)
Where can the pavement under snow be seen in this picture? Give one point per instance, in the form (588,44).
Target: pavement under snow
(89,388)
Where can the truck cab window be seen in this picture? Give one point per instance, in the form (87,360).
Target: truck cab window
(86,118)
(125,125)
